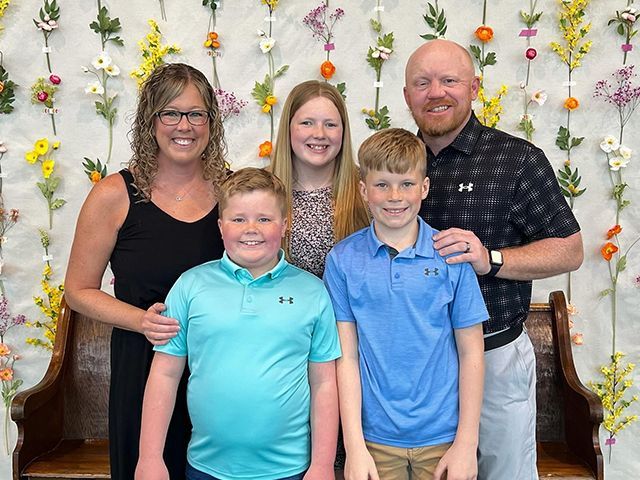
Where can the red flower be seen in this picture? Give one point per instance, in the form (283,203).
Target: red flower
(327,69)
(484,33)
(55,79)
(608,250)
(615,230)
(531,53)
(42,96)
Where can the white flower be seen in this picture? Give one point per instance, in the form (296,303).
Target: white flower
(261,33)
(47,18)
(539,96)
(609,144)
(101,61)
(94,87)
(112,70)
(625,152)
(616,163)
(53,23)
(3,149)
(629,14)
(44,26)
(266,44)
(523,85)
(84,69)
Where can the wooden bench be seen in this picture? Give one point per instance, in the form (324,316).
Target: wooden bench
(62,421)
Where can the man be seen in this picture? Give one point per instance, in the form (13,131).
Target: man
(496,201)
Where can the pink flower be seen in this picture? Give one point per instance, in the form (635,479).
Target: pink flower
(42,96)
(531,53)
(55,79)
(577,339)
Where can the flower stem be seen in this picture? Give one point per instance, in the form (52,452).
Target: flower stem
(53,123)
(46,44)
(7,411)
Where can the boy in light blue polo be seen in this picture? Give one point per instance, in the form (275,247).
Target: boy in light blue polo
(261,341)
(411,375)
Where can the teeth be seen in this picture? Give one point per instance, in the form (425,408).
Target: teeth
(441,108)
(317,147)
(251,243)
(183,141)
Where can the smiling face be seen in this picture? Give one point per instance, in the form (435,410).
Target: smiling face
(182,143)
(394,201)
(439,87)
(316,135)
(252,226)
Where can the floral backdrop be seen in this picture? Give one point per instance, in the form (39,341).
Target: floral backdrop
(560,73)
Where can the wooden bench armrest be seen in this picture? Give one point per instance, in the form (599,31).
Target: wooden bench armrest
(38,411)
(583,408)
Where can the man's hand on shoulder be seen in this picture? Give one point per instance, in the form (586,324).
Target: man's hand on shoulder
(465,242)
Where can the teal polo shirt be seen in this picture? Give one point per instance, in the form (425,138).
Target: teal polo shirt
(405,309)
(248,344)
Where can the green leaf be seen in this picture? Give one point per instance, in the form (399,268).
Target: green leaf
(342,87)
(57,203)
(281,71)
(428,36)
(575,141)
(622,264)
(432,10)
(606,292)
(490,59)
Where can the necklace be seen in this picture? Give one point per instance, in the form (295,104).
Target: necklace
(181,196)
(311,188)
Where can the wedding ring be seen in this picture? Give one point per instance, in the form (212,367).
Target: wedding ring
(468,249)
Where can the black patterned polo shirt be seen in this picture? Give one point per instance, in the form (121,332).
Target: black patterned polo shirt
(503,189)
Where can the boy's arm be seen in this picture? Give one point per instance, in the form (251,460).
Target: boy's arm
(460,461)
(359,464)
(324,420)
(157,408)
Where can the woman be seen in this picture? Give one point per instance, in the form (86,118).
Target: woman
(151,222)
(314,159)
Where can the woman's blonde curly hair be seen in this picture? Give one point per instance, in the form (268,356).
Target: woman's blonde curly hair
(167,82)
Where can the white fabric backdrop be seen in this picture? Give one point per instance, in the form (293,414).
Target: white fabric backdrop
(83,133)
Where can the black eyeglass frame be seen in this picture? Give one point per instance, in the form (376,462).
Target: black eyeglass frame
(208,117)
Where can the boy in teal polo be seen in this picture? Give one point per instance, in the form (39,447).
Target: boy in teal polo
(260,339)
(411,375)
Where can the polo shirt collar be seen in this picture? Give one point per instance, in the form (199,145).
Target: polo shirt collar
(240,273)
(423,246)
(466,140)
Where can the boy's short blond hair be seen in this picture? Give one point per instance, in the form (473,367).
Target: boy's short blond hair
(394,150)
(250,179)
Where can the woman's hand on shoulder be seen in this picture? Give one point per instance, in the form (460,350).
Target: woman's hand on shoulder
(157,328)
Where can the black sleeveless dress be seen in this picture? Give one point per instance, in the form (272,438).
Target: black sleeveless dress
(152,250)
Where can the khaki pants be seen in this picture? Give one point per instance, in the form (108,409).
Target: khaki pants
(395,463)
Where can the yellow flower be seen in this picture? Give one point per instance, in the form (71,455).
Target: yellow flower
(47,168)
(271,100)
(95,177)
(56,145)
(31,157)
(266,108)
(41,146)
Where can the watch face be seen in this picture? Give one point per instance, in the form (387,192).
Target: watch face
(496,257)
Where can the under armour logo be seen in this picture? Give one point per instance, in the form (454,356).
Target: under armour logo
(468,188)
(428,272)
(288,300)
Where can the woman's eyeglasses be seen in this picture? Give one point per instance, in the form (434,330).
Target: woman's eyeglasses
(173,117)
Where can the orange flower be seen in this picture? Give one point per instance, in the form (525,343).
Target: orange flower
(95,177)
(4,350)
(608,250)
(213,35)
(327,69)
(615,230)
(265,149)
(577,338)
(6,374)
(484,33)
(1,87)
(571,103)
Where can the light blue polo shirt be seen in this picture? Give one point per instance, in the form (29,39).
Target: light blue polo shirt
(248,343)
(405,310)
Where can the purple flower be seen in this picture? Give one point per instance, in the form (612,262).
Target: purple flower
(321,26)
(228,103)
(6,320)
(622,94)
